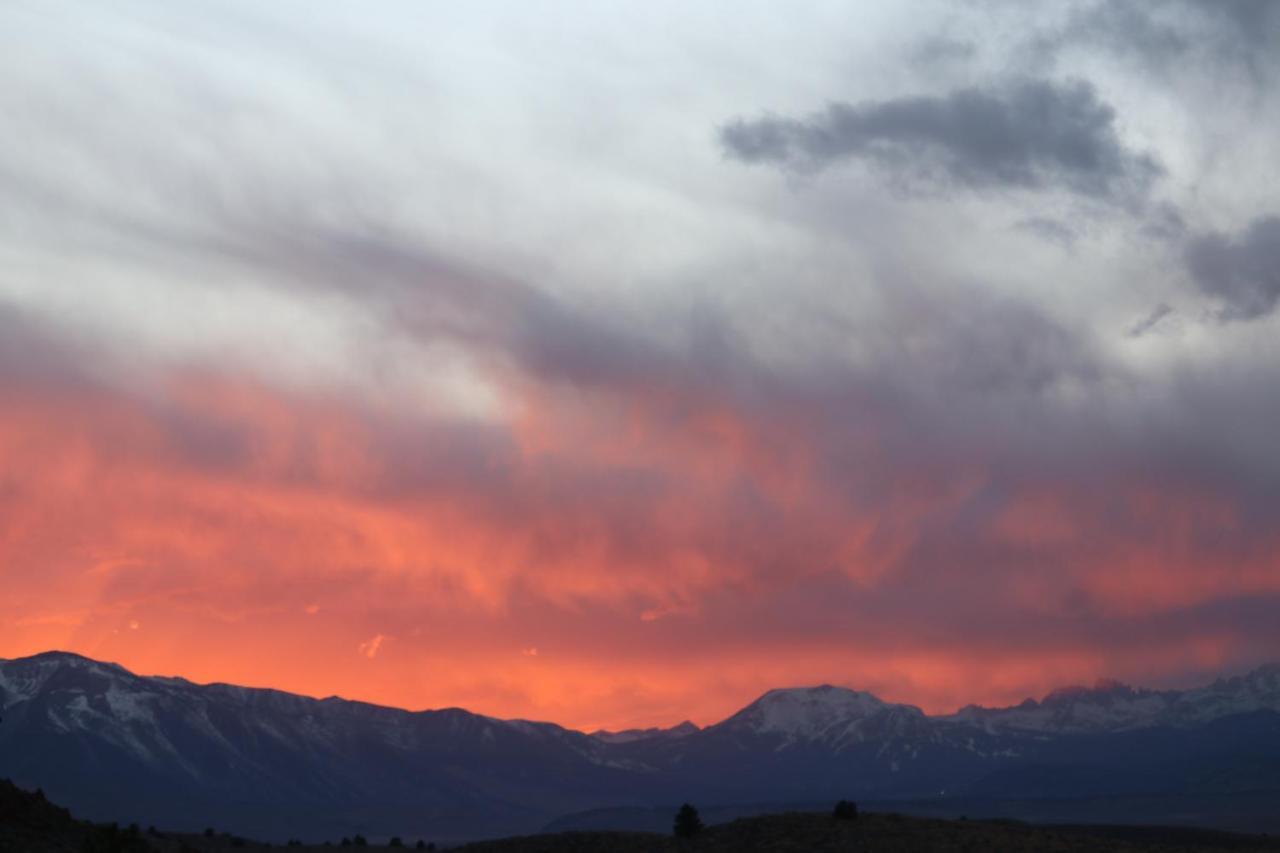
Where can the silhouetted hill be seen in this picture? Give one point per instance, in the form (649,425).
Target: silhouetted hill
(799,832)
(29,823)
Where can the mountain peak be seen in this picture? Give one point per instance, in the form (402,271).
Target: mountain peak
(1267,674)
(804,711)
(60,660)
(676,732)
(1102,689)
(821,696)
(58,656)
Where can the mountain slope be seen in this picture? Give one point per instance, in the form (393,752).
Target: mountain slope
(1112,706)
(103,740)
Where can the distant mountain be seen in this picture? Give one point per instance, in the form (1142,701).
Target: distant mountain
(1110,706)
(116,746)
(632,735)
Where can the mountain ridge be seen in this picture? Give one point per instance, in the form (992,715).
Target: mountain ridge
(262,761)
(1104,688)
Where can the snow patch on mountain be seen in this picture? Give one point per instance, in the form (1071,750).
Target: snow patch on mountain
(836,716)
(1110,706)
(676,732)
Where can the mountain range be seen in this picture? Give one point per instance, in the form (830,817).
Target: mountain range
(113,745)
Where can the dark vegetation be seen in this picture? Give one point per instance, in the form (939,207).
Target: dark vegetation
(29,823)
(687,823)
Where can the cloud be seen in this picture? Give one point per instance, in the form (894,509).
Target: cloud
(369,648)
(1032,135)
(1243,273)
(698,438)
(1207,36)
(1148,323)
(1049,229)
(626,515)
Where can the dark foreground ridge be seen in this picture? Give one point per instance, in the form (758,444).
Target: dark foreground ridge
(29,823)
(886,833)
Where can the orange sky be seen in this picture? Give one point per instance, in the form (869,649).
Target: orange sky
(636,570)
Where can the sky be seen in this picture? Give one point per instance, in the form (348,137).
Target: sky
(612,363)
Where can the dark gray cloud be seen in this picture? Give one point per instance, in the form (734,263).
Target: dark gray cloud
(1225,35)
(1128,28)
(1256,21)
(33,353)
(1156,316)
(1242,273)
(1033,134)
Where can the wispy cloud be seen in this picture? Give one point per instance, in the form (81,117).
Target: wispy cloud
(370,647)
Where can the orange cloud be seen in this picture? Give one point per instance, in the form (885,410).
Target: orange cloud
(654,555)
(369,648)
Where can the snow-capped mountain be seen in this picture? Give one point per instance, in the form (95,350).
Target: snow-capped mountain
(834,717)
(806,713)
(1110,706)
(117,746)
(109,743)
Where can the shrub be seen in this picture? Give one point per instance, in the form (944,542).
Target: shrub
(110,839)
(846,810)
(687,823)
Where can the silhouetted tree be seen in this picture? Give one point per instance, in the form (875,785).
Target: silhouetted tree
(687,824)
(360,841)
(110,839)
(395,842)
(104,839)
(846,810)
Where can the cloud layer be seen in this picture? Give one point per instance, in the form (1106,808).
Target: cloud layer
(344,365)
(1244,273)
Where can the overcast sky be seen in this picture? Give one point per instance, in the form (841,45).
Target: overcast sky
(611,363)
